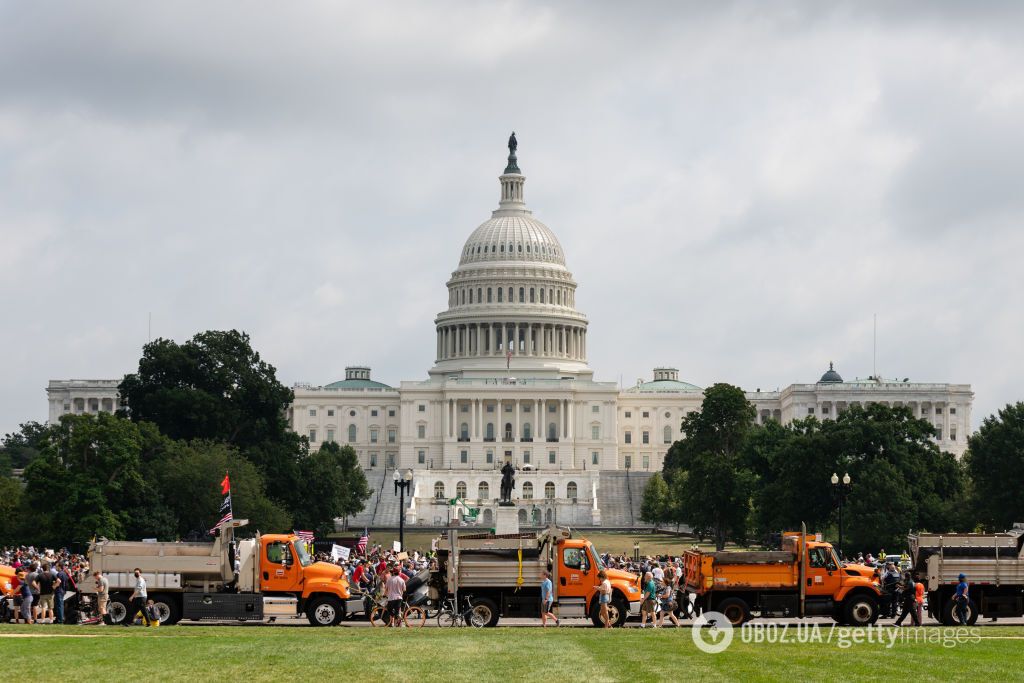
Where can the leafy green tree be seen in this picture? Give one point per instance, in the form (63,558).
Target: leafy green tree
(654,507)
(88,480)
(995,461)
(11,517)
(718,486)
(189,477)
(333,486)
(19,448)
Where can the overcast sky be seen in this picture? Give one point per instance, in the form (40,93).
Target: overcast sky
(737,190)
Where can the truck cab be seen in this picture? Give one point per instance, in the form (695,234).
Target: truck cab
(576,576)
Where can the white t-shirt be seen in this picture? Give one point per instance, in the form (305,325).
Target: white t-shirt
(140,587)
(658,573)
(606,587)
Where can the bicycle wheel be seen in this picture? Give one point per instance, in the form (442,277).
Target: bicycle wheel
(379,616)
(446,618)
(476,620)
(415,617)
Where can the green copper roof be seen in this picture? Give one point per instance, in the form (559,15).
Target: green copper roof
(357,384)
(664,386)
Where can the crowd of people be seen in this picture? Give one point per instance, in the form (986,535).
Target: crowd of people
(42,579)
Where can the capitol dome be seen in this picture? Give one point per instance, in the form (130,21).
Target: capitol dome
(511,300)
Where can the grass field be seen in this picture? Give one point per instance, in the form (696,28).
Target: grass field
(605,541)
(577,654)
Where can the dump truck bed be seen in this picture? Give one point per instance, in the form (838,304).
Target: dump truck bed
(771,570)
(985,558)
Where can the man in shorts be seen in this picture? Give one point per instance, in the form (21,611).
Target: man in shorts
(102,595)
(650,600)
(547,598)
(47,581)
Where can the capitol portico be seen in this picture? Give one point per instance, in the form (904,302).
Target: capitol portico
(511,383)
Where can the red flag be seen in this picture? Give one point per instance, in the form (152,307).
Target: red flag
(225,486)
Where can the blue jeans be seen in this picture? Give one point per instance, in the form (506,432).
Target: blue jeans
(961,611)
(58,607)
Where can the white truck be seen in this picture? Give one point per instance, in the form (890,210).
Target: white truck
(993,564)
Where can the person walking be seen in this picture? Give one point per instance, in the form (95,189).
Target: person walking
(919,598)
(962,599)
(138,600)
(604,598)
(909,601)
(650,600)
(547,599)
(668,599)
(102,595)
(26,600)
(394,590)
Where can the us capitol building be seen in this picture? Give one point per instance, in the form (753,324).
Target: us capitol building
(511,383)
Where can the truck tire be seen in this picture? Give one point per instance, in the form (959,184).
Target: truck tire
(167,605)
(325,610)
(735,610)
(117,609)
(618,611)
(949,612)
(860,610)
(486,610)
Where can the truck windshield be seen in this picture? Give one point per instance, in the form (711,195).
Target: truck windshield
(302,555)
(596,556)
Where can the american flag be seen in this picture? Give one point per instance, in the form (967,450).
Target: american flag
(225,506)
(363,540)
(305,536)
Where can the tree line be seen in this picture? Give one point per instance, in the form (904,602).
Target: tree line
(733,480)
(191,412)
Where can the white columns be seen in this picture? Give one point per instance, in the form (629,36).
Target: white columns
(517,434)
(473,431)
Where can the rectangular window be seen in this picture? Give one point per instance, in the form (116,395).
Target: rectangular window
(647,437)
(373,413)
(490,408)
(392,435)
(952,433)
(526,457)
(421,457)
(373,436)
(373,459)
(952,410)
(646,414)
(938,411)
(490,457)
(330,412)
(628,461)
(422,408)
(595,432)
(938,432)
(391,412)
(463,457)
(421,431)
(629,437)
(595,458)
(312,435)
(647,461)
(330,435)
(551,408)
(464,407)
(595,409)
(552,457)
(508,408)
(810,410)
(824,410)
(312,412)
(628,414)
(526,408)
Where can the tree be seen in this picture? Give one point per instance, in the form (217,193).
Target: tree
(88,481)
(718,483)
(333,486)
(654,507)
(21,447)
(995,461)
(189,477)
(11,518)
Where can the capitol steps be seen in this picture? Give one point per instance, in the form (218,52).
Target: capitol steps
(619,497)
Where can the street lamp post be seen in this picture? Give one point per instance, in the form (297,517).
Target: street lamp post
(840,489)
(402,484)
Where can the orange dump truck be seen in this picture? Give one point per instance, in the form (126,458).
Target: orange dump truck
(197,581)
(804,579)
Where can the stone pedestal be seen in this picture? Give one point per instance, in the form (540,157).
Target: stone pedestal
(506,520)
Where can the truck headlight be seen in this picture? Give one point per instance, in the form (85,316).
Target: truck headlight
(633,589)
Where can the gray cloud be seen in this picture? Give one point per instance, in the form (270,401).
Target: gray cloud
(738,187)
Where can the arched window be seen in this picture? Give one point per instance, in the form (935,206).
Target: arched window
(547,516)
(526,431)
(570,490)
(668,434)
(483,491)
(508,431)
(552,432)
(500,290)
(527,489)
(464,431)
(439,490)
(351,433)
(463,296)
(559,295)
(511,295)
(488,295)
(522,517)
(542,296)
(549,489)
(479,295)
(522,295)
(531,295)
(488,517)
(460,490)
(490,431)
(470,296)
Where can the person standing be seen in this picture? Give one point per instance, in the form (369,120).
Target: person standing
(394,589)
(962,599)
(138,600)
(668,599)
(919,599)
(60,590)
(650,600)
(33,580)
(26,600)
(102,595)
(47,582)
(909,601)
(547,599)
(604,598)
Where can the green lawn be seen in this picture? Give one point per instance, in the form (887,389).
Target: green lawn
(577,654)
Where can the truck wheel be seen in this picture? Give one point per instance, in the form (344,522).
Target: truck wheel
(949,613)
(860,610)
(167,607)
(735,610)
(486,610)
(618,611)
(325,610)
(117,609)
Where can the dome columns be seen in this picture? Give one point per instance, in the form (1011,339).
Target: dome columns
(525,339)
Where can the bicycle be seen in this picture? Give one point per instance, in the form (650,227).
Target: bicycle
(412,617)
(451,616)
